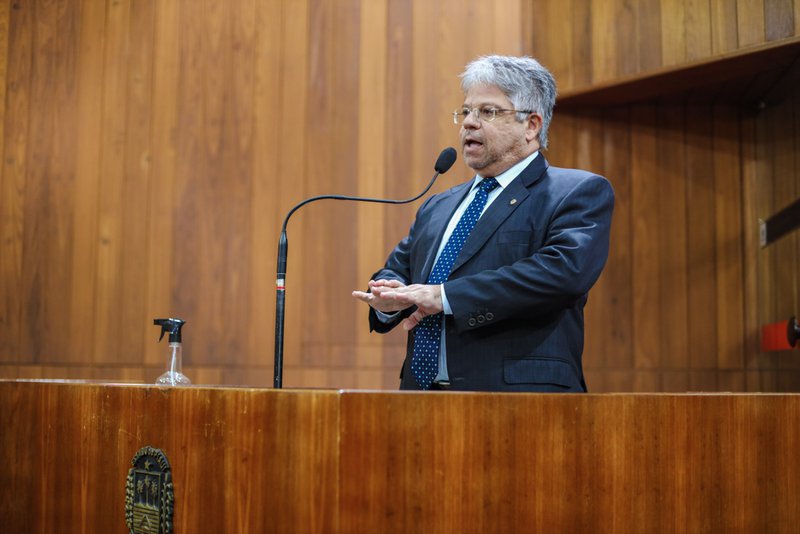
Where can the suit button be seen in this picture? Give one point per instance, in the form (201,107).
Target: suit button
(471,321)
(481,319)
(489,316)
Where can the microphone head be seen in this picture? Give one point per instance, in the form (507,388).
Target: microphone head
(445,160)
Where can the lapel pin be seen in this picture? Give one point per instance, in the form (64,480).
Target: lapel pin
(513,201)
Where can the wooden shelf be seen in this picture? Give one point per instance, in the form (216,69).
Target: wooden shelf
(745,76)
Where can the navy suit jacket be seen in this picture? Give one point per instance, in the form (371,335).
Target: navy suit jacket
(518,287)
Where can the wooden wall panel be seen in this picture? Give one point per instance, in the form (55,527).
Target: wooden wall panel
(152,150)
(779,18)
(673,295)
(647,232)
(108,330)
(724,37)
(49,182)
(701,238)
(12,179)
(163,159)
(730,232)
(617,337)
(691,184)
(673,37)
(372,155)
(647,30)
(554,41)
(796,18)
(138,179)
(750,22)
(89,130)
(599,42)
(699,29)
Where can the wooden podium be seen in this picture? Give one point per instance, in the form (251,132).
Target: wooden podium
(261,460)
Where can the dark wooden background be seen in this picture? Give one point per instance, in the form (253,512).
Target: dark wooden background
(150,151)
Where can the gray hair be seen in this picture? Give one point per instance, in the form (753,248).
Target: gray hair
(526,83)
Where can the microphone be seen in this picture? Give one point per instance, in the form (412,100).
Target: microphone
(443,163)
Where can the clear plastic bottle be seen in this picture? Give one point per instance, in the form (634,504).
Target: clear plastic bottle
(174,375)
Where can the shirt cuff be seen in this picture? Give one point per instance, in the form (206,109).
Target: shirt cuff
(445,304)
(385,317)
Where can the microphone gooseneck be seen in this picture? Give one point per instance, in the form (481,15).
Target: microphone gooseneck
(443,163)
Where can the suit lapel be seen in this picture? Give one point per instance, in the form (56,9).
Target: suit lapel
(437,223)
(509,200)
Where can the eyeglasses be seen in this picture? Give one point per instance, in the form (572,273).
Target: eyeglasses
(487,114)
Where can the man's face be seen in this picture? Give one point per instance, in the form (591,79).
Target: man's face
(492,147)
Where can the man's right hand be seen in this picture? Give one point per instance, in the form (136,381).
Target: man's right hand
(374,296)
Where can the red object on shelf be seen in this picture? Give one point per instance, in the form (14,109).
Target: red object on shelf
(777,336)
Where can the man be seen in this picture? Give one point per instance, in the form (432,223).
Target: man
(493,276)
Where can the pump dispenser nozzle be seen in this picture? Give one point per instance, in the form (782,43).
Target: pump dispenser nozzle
(173,376)
(173,326)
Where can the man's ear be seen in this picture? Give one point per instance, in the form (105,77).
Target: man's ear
(534,127)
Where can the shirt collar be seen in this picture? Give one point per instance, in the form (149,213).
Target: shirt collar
(507,176)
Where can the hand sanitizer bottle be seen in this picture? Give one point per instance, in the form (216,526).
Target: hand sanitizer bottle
(173,376)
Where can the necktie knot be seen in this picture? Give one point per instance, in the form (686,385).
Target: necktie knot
(488,184)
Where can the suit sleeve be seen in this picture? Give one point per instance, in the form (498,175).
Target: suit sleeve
(560,272)
(397,267)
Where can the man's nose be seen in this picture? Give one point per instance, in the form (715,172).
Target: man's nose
(471,121)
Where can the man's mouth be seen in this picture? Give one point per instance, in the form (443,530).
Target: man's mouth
(471,143)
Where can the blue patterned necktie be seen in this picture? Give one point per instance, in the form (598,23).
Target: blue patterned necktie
(428,333)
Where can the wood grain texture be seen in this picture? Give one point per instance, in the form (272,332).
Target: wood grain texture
(701,237)
(615,313)
(646,232)
(729,242)
(255,460)
(690,285)
(242,460)
(12,182)
(150,151)
(673,253)
(699,29)
(160,222)
(647,29)
(673,32)
(778,19)
(724,37)
(600,41)
(87,177)
(568,464)
(750,21)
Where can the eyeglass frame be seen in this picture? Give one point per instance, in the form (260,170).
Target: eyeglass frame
(479,111)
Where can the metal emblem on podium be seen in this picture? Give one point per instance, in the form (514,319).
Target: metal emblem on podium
(149,498)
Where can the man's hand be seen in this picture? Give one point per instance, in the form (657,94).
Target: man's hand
(376,299)
(389,296)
